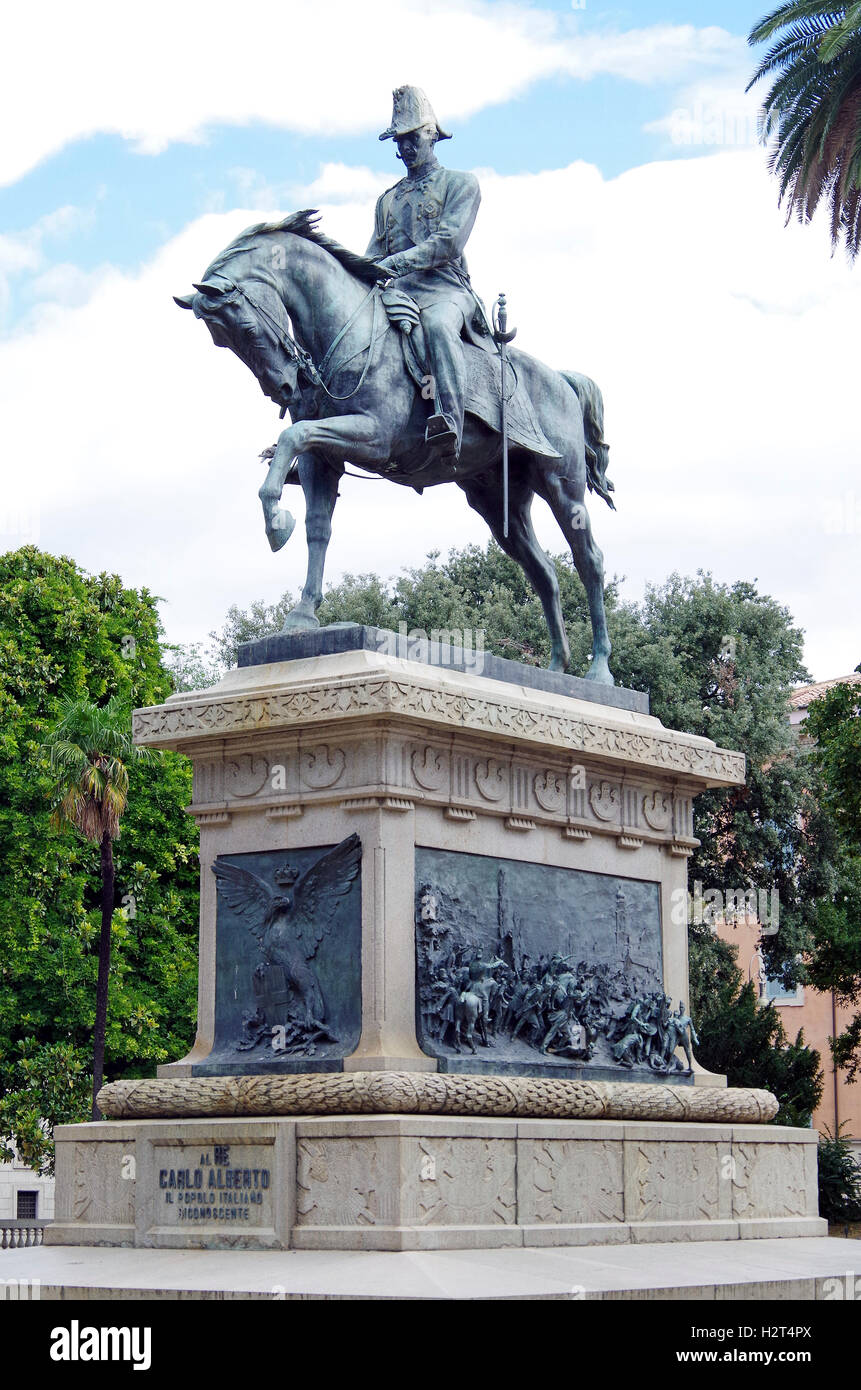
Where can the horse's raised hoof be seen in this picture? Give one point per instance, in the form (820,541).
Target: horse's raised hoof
(600,672)
(280,529)
(299,620)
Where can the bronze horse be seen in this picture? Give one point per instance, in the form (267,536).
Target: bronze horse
(305,315)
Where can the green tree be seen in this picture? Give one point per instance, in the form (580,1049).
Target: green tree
(833,727)
(839,1180)
(720,660)
(744,1041)
(813,110)
(65,634)
(717,659)
(90,748)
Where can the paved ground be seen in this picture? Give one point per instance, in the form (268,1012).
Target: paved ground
(809,1268)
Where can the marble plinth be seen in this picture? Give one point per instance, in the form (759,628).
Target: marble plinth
(428,1182)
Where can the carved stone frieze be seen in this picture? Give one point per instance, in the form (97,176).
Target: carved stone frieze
(208,782)
(568,1183)
(549,789)
(452,1182)
(672,1183)
(497,712)
(768,1180)
(322,767)
(467,778)
(103,1185)
(605,800)
(492,779)
(339,1183)
(245,774)
(658,810)
(430,768)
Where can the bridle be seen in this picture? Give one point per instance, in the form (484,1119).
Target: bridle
(304,361)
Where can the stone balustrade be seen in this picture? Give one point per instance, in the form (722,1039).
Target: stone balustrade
(15,1234)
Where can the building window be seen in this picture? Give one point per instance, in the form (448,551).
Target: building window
(775,993)
(27,1204)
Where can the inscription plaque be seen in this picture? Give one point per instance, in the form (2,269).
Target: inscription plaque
(223,1185)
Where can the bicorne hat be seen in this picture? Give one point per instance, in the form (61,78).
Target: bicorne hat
(410,110)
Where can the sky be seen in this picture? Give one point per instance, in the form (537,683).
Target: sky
(627,211)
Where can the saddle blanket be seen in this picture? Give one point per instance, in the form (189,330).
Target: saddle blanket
(484,380)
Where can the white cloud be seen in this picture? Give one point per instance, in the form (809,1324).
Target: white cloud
(715,112)
(335,183)
(168,72)
(724,343)
(26,250)
(65,284)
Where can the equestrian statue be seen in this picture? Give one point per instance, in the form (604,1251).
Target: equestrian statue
(387,362)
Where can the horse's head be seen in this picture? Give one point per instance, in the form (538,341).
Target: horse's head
(249,318)
(243,296)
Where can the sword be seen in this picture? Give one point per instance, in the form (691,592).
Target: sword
(502,336)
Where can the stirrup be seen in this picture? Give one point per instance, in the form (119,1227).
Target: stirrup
(441,435)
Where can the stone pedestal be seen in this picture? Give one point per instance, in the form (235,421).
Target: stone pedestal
(397,855)
(536,820)
(428,1182)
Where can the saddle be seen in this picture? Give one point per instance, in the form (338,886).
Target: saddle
(483,376)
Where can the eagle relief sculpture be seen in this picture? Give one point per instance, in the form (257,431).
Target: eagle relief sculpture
(289,921)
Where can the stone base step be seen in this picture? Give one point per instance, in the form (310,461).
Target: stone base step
(812,1268)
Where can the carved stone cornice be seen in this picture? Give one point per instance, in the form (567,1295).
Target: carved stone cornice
(489,708)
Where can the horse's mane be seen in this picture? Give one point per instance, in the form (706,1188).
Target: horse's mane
(300,224)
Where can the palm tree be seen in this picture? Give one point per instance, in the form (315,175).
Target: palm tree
(91,749)
(813,110)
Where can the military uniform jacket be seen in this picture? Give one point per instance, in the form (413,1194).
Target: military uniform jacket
(423,224)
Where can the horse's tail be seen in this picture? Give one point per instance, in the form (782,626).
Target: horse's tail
(597,449)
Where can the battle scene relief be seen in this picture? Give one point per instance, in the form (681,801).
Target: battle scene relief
(532,968)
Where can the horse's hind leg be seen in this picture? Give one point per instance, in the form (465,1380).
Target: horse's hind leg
(485,497)
(564,496)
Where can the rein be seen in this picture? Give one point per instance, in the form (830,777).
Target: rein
(305,360)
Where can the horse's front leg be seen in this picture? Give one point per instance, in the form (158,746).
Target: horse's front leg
(320,485)
(357,437)
(360,438)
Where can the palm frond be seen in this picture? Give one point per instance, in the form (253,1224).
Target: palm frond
(792,12)
(840,36)
(91,749)
(811,115)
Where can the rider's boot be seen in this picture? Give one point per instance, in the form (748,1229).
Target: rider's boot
(441,435)
(448,369)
